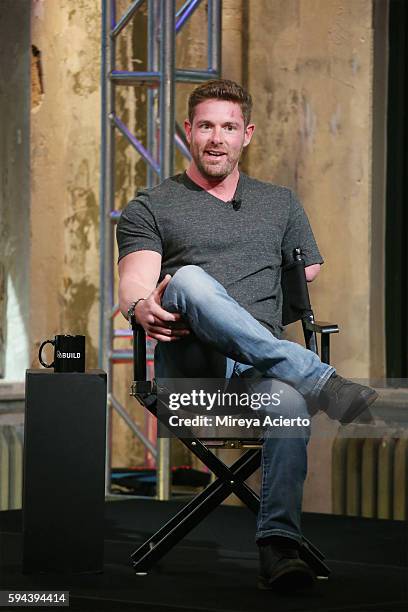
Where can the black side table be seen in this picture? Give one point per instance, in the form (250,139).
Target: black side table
(64,471)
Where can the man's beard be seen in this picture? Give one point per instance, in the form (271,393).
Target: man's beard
(215,171)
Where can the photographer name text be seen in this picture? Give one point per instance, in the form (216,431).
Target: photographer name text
(229,421)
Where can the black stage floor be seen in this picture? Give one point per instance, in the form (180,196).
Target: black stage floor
(215,568)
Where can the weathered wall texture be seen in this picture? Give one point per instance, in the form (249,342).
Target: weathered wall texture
(65,169)
(14,187)
(65,133)
(310,71)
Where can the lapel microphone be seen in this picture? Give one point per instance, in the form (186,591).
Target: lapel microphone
(237,199)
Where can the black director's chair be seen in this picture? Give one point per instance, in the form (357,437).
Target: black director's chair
(230,479)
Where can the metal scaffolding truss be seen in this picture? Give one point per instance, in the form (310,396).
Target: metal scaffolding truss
(163,135)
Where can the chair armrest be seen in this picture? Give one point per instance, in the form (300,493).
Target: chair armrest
(311,328)
(321,327)
(142,387)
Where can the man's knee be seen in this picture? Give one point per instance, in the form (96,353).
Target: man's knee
(190,280)
(188,274)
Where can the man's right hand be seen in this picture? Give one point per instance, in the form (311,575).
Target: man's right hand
(158,323)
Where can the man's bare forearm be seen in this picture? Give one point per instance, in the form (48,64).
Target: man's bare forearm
(129,292)
(138,276)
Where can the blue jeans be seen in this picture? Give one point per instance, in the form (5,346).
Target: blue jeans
(226,342)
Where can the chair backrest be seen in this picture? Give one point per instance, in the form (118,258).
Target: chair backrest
(296,306)
(296,301)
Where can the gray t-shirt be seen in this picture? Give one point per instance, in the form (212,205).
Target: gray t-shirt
(243,247)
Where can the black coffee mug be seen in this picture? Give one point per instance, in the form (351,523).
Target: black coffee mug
(69,353)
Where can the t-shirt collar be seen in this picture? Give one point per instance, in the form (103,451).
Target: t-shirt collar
(188,182)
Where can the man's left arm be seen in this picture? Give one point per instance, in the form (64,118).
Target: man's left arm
(311,272)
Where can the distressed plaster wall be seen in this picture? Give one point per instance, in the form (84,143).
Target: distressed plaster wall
(311,73)
(65,133)
(14,187)
(65,171)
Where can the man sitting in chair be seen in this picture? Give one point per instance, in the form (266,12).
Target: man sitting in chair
(199,262)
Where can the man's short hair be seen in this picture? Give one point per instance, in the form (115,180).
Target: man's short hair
(221,89)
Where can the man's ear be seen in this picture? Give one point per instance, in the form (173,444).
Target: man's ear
(187,129)
(249,131)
